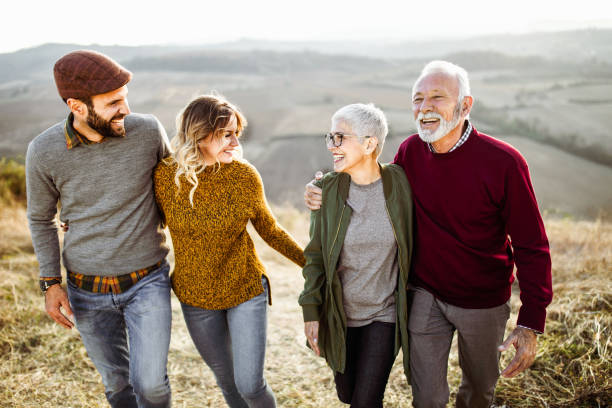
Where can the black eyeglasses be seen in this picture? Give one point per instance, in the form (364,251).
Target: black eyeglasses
(336,138)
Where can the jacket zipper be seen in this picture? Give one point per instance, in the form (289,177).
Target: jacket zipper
(339,343)
(399,263)
(337,231)
(399,252)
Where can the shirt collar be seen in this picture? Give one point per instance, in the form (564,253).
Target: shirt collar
(73,137)
(464,137)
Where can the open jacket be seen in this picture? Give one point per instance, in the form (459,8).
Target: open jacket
(321,299)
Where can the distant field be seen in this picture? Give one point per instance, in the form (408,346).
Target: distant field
(565,185)
(562,108)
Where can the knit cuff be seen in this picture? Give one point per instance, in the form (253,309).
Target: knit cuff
(532,317)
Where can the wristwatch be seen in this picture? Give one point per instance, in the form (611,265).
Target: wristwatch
(45,284)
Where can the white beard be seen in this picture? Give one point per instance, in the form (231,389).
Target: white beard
(443,129)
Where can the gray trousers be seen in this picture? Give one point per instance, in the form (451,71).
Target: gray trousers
(432,324)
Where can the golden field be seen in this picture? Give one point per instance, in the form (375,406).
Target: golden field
(44,365)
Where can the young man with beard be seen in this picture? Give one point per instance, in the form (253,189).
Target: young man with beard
(97,164)
(476,217)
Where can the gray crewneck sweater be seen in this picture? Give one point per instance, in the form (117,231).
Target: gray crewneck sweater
(368,260)
(105,191)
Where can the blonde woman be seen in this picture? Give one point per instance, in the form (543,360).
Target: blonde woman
(207,196)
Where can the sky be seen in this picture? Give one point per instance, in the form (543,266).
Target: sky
(136,22)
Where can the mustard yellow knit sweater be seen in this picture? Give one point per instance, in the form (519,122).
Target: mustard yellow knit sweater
(216,266)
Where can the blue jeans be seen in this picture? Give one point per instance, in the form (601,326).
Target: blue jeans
(232,342)
(127,336)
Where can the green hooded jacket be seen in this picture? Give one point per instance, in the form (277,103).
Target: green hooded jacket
(321,299)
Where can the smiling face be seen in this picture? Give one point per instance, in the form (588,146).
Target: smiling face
(435,106)
(353,151)
(107,112)
(221,148)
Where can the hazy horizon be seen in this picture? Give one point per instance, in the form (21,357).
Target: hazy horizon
(136,23)
(369,40)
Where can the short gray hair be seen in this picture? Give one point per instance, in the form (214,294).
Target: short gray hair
(448,68)
(364,120)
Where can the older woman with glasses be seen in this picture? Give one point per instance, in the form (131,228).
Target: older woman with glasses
(357,262)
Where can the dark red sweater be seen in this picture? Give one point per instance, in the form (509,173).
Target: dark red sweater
(476,215)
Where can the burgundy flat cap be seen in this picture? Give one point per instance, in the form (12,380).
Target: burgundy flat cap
(84,73)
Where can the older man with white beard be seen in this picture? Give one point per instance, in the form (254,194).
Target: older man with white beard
(476,217)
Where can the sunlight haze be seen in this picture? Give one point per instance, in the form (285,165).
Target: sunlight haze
(31,23)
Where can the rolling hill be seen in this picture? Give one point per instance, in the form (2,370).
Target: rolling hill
(554,108)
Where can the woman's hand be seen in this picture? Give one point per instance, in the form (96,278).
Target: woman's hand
(313,194)
(311,329)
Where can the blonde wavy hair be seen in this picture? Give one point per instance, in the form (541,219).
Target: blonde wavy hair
(204,117)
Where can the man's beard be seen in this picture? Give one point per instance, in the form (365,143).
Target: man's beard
(103,127)
(443,128)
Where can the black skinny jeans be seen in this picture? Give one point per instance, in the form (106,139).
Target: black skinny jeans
(369,358)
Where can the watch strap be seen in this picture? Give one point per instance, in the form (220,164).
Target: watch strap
(46,283)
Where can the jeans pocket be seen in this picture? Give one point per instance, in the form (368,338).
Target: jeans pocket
(81,298)
(265,283)
(159,277)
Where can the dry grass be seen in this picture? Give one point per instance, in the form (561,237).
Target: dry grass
(574,363)
(43,365)
(15,236)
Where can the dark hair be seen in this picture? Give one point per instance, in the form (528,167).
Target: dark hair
(86,100)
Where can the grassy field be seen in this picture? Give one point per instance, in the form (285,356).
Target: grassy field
(43,365)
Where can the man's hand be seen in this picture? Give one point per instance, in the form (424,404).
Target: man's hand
(525,342)
(312,193)
(56,299)
(311,329)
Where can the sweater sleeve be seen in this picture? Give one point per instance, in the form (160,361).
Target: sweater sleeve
(268,228)
(161,178)
(42,199)
(530,245)
(311,298)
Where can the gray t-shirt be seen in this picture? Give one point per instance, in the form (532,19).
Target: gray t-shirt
(106,195)
(368,260)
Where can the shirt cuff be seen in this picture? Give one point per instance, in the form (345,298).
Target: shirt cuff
(49,278)
(532,317)
(529,328)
